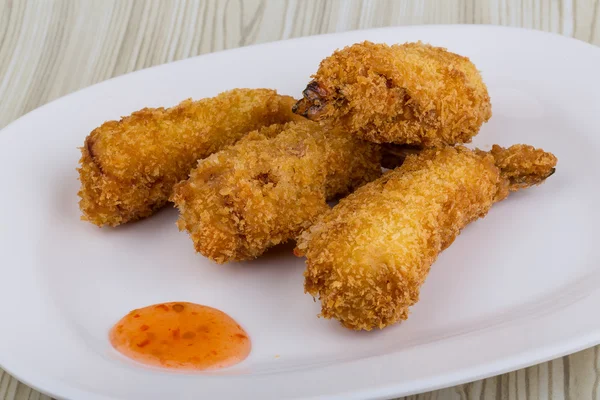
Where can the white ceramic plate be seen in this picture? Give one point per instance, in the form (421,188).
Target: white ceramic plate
(517,288)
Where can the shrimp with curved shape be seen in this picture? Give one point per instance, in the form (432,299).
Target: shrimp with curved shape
(368,257)
(409,93)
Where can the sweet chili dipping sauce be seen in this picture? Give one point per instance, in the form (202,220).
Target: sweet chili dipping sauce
(180,335)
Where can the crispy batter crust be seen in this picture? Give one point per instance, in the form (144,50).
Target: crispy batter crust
(368,257)
(267,188)
(408,94)
(128,167)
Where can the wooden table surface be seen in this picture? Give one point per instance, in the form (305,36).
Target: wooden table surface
(51,48)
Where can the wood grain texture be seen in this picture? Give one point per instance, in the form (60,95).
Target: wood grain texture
(52,48)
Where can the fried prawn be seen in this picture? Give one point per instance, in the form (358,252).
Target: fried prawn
(368,257)
(410,93)
(128,168)
(269,186)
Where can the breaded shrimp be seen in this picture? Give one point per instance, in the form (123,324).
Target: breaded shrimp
(368,257)
(128,167)
(266,188)
(411,93)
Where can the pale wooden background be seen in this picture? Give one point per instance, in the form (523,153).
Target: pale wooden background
(51,48)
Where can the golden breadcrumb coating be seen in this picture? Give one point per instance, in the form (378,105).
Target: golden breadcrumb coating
(411,93)
(128,167)
(266,188)
(368,257)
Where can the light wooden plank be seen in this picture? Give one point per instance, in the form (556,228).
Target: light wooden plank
(54,47)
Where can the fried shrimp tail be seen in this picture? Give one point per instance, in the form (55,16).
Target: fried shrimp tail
(368,257)
(128,168)
(407,94)
(523,166)
(268,187)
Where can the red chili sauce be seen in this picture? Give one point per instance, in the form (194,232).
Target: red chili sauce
(180,335)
